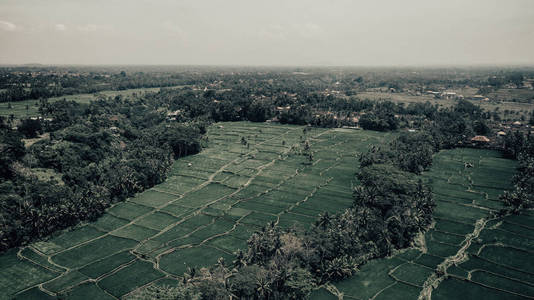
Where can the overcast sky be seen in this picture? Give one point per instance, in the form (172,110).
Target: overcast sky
(268,32)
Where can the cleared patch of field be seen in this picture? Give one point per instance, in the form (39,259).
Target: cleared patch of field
(129,278)
(94,250)
(103,266)
(30,108)
(88,291)
(516,95)
(20,274)
(498,261)
(501,100)
(208,207)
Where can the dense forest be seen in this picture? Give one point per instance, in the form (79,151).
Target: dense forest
(88,162)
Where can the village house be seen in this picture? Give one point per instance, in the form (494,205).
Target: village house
(433,93)
(283,108)
(479,98)
(480,140)
(173,115)
(448,95)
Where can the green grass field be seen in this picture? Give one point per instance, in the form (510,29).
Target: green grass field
(19,110)
(207,208)
(481,257)
(518,95)
(501,100)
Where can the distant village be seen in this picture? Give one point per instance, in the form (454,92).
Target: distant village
(499,130)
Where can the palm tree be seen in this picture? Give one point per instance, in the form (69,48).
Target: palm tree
(263,286)
(324,220)
(240,260)
(190,274)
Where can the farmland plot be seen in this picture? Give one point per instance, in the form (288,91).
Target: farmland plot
(30,108)
(476,256)
(249,175)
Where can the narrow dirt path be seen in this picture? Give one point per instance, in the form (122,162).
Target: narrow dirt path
(437,277)
(434,280)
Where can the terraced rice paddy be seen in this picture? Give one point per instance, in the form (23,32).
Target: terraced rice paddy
(212,202)
(477,256)
(207,208)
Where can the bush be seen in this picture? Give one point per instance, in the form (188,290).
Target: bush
(30,128)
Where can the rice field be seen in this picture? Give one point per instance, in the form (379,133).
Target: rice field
(30,108)
(502,100)
(467,254)
(213,201)
(207,209)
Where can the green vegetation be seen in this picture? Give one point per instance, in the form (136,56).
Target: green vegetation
(30,108)
(521,198)
(182,218)
(266,210)
(97,164)
(26,82)
(481,269)
(290,176)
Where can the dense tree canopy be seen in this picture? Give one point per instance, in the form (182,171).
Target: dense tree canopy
(99,161)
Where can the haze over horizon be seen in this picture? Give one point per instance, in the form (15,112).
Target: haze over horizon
(278,33)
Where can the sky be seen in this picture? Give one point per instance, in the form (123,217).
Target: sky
(273,32)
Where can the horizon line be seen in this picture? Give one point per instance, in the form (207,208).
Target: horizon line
(497,65)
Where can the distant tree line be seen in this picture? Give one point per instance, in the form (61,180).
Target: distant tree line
(31,85)
(460,121)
